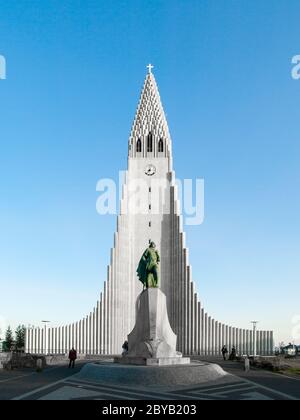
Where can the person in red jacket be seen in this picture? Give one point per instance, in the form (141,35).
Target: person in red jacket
(72,357)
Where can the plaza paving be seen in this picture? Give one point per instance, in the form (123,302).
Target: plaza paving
(60,383)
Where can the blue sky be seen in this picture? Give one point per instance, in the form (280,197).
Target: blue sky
(74,74)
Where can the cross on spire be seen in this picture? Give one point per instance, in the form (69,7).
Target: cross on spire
(150,67)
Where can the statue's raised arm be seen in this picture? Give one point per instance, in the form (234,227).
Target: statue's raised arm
(147,270)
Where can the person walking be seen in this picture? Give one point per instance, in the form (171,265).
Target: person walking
(224,352)
(72,357)
(233,354)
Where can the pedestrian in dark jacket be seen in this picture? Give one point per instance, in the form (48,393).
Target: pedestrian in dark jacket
(224,351)
(233,354)
(72,357)
(125,348)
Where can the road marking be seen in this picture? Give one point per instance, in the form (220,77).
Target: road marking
(131,391)
(29,374)
(220,387)
(223,394)
(255,396)
(271,390)
(68,393)
(16,377)
(282,375)
(43,388)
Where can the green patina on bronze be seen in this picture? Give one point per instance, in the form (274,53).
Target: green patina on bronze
(148,267)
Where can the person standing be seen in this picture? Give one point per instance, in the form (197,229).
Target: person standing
(72,357)
(125,348)
(233,354)
(224,351)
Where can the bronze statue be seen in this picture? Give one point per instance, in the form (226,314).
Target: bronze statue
(148,267)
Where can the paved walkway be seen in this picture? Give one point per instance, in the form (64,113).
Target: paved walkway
(21,381)
(59,383)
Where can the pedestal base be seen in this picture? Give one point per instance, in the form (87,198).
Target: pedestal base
(161,361)
(151,377)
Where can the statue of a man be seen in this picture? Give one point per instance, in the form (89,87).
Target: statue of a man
(148,267)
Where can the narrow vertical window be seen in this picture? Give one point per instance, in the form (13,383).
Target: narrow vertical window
(149,142)
(139,145)
(160,146)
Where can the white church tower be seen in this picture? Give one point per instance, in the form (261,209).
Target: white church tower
(149,210)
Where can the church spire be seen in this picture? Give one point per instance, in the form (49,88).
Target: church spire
(150,135)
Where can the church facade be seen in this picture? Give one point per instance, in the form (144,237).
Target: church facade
(149,210)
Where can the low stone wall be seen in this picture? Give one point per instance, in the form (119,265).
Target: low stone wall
(274,363)
(4,359)
(11,361)
(22,360)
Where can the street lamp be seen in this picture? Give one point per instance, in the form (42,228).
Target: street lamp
(254,337)
(46,341)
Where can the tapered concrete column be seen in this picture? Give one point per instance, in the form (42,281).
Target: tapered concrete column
(264,342)
(49,340)
(63,340)
(83,336)
(216,347)
(199,328)
(101,326)
(58,341)
(76,332)
(271,343)
(202,331)
(105,311)
(227,336)
(92,334)
(42,341)
(230,338)
(37,340)
(26,341)
(32,340)
(209,335)
(87,335)
(97,329)
(196,325)
(67,338)
(233,337)
(192,311)
(261,345)
(55,340)
(62,350)
(29,340)
(206,334)
(223,335)
(248,344)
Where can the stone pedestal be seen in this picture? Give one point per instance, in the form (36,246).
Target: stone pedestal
(152,341)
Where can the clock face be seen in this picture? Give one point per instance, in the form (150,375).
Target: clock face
(150,170)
